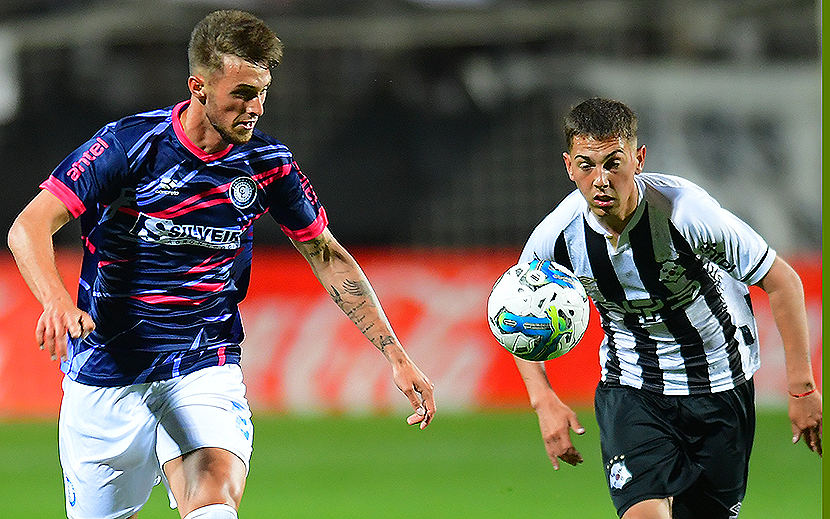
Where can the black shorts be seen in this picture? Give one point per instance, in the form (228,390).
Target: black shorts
(692,448)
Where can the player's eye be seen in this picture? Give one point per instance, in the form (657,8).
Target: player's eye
(245,94)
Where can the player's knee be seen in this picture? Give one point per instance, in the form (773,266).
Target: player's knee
(215,511)
(216,475)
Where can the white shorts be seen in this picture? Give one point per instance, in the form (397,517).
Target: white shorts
(113,441)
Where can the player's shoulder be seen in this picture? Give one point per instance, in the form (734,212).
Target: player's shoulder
(669,185)
(261,152)
(690,208)
(136,127)
(674,193)
(566,212)
(572,206)
(144,120)
(565,215)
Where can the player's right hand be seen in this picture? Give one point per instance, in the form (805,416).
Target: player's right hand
(556,420)
(59,322)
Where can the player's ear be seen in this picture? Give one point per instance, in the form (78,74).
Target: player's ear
(641,159)
(196,84)
(567,158)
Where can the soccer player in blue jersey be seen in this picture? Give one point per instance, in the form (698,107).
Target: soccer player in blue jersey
(167,199)
(668,268)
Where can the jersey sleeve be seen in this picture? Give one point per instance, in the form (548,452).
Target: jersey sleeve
(721,237)
(294,204)
(92,174)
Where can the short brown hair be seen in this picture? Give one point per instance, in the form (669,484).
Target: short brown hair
(236,33)
(600,119)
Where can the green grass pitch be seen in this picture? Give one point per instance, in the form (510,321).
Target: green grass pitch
(465,465)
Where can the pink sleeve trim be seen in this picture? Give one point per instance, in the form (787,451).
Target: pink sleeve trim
(312,231)
(65,195)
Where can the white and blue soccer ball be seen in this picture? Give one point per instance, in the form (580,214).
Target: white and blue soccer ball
(538,310)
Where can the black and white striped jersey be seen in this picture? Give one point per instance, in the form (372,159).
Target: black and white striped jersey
(673,295)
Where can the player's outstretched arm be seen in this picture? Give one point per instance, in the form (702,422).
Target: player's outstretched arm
(786,299)
(348,286)
(556,420)
(30,240)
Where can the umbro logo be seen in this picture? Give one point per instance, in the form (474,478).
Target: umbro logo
(168,186)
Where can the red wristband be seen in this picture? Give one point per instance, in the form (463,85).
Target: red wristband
(801,395)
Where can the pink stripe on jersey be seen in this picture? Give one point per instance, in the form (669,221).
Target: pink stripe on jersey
(207,287)
(65,195)
(267,177)
(194,202)
(88,244)
(312,231)
(111,262)
(221,354)
(208,265)
(170,300)
(187,143)
(129,211)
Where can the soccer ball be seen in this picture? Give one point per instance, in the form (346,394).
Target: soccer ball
(538,310)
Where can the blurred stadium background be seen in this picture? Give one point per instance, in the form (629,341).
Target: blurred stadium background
(436,122)
(431,132)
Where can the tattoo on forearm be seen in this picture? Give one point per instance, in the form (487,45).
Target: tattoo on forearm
(321,248)
(353,312)
(353,295)
(336,297)
(358,310)
(354,288)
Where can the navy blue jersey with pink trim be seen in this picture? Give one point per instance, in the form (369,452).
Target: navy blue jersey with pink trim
(167,234)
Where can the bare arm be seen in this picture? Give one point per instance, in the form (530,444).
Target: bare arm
(555,418)
(30,240)
(348,286)
(786,299)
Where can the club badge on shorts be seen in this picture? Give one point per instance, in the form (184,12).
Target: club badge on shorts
(618,474)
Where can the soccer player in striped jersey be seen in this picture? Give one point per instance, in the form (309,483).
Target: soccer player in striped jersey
(167,199)
(668,270)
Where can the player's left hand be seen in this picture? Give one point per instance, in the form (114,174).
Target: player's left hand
(418,389)
(805,418)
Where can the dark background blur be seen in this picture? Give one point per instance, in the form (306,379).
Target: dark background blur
(436,123)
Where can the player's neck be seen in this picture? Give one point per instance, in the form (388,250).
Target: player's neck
(198,129)
(614,225)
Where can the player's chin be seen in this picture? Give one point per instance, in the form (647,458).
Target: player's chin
(240,136)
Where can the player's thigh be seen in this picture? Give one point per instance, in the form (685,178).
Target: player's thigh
(724,442)
(642,455)
(205,409)
(721,445)
(106,440)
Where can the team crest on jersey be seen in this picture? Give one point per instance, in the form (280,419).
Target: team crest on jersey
(618,473)
(242,192)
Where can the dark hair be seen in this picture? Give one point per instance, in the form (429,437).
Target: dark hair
(600,119)
(236,33)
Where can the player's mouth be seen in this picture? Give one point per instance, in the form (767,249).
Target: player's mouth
(248,125)
(603,200)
